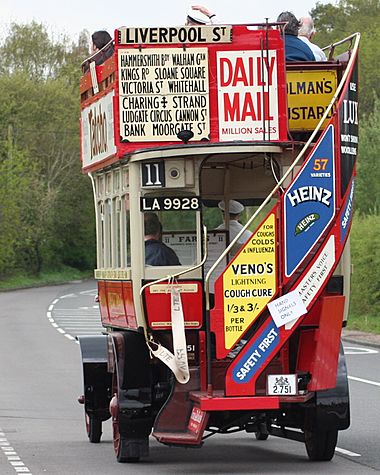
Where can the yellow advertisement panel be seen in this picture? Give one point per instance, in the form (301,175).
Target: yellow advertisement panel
(249,282)
(309,94)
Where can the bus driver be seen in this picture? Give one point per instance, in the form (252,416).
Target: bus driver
(156,252)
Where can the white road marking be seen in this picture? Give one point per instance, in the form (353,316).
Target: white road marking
(13,458)
(353,350)
(347,452)
(90,292)
(78,309)
(67,318)
(361,380)
(72,322)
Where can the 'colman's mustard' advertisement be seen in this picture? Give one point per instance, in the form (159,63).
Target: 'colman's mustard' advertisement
(309,94)
(249,282)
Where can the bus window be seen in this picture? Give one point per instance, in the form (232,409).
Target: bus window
(179,232)
(116,183)
(125,232)
(116,228)
(107,233)
(113,248)
(108,183)
(125,178)
(100,247)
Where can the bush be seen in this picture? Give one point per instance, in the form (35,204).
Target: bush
(365,290)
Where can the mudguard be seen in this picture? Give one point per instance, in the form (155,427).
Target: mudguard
(97,380)
(133,405)
(331,408)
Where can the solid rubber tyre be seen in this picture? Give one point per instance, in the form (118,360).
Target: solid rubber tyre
(261,436)
(122,456)
(119,443)
(320,445)
(94,429)
(262,433)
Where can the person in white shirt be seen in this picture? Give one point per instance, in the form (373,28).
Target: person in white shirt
(234,211)
(200,15)
(306,33)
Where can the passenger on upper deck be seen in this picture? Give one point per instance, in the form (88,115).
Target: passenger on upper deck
(306,33)
(199,15)
(99,40)
(156,252)
(295,49)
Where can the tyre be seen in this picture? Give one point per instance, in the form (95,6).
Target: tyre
(261,436)
(120,444)
(122,454)
(94,429)
(262,433)
(320,445)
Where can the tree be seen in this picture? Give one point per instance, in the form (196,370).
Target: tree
(334,22)
(368,183)
(39,147)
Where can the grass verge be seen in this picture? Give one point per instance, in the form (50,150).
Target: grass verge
(364,323)
(22,281)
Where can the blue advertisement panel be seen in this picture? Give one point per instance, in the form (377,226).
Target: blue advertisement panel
(309,203)
(256,354)
(347,213)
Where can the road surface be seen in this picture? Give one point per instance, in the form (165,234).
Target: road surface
(42,427)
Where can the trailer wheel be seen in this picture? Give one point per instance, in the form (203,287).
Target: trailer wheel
(320,445)
(94,429)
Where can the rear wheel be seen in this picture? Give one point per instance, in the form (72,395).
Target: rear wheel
(262,433)
(120,444)
(94,429)
(320,444)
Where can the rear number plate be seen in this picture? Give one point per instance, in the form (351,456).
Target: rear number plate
(282,384)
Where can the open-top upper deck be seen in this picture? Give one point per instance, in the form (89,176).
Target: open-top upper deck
(164,87)
(169,86)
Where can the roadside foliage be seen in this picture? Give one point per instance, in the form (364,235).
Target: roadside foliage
(46,211)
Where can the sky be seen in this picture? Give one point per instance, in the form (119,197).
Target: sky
(72,16)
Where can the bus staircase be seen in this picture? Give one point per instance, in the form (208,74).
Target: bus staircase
(184,417)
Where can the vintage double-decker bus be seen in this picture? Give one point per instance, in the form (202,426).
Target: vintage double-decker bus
(223,181)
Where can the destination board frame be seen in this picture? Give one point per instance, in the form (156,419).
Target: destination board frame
(244,38)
